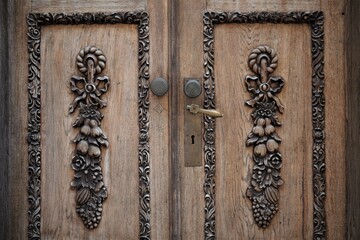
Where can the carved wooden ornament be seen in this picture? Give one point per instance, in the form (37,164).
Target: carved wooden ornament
(315,21)
(263,191)
(89,102)
(88,179)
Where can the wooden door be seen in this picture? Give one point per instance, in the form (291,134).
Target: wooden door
(233,195)
(271,168)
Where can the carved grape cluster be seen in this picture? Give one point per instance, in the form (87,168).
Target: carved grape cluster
(91,214)
(263,211)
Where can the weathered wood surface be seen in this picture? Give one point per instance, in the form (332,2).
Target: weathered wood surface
(17,139)
(352,119)
(186,216)
(160,188)
(4,124)
(189,37)
(87,5)
(234,217)
(335,126)
(120,124)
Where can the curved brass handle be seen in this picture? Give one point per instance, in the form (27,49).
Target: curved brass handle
(193,108)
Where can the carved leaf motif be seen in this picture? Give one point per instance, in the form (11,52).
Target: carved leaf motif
(276,84)
(252,138)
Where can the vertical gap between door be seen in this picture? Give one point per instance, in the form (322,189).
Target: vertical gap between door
(174,72)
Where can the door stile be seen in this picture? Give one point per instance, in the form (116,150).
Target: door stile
(174,73)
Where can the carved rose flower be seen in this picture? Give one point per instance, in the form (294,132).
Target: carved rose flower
(275,161)
(79,162)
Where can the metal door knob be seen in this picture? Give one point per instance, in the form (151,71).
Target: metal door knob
(192,88)
(159,86)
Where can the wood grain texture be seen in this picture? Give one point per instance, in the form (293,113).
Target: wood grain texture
(174,69)
(334,93)
(188,31)
(17,138)
(352,113)
(159,111)
(233,44)
(335,121)
(190,42)
(262,5)
(4,125)
(87,5)
(120,124)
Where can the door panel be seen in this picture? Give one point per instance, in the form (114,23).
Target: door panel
(129,175)
(119,161)
(234,161)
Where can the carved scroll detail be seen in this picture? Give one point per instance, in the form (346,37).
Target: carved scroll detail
(35,21)
(316,22)
(263,191)
(88,180)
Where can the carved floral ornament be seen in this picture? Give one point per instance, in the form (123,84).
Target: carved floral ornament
(89,89)
(88,179)
(263,191)
(265,101)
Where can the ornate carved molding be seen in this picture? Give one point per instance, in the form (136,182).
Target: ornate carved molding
(35,21)
(316,22)
(88,180)
(263,190)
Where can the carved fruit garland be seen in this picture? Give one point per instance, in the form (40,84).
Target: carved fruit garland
(263,190)
(88,179)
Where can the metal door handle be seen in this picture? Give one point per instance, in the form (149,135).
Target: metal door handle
(193,108)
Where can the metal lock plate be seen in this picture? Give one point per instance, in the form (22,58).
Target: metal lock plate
(193,124)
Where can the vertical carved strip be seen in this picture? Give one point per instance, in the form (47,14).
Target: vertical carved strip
(318,118)
(144,164)
(209,124)
(34,123)
(316,22)
(263,190)
(88,180)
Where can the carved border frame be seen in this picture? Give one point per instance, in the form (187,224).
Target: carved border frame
(316,22)
(34,22)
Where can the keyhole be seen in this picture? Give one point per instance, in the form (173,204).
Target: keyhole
(192,139)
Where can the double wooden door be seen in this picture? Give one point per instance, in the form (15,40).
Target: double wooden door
(124,163)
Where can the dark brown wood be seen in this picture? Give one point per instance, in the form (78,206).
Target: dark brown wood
(17,159)
(4,100)
(352,21)
(174,70)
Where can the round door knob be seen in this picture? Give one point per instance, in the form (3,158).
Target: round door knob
(159,86)
(192,88)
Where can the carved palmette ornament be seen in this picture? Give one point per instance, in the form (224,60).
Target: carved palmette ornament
(88,180)
(263,190)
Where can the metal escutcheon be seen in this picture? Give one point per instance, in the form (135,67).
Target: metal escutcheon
(159,86)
